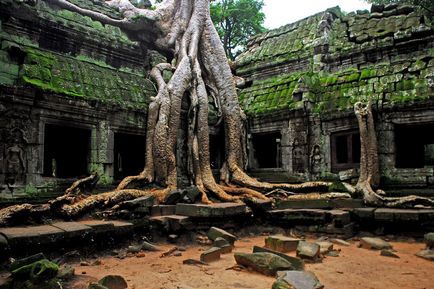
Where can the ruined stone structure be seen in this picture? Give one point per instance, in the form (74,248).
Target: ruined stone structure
(304,78)
(74,96)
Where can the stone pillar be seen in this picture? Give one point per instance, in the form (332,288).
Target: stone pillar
(286,149)
(101,160)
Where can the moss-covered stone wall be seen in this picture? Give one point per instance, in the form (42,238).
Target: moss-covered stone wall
(331,60)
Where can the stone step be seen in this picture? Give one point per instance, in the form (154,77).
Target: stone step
(320,204)
(390,215)
(30,239)
(310,216)
(216,210)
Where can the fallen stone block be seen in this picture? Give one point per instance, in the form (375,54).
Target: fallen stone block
(324,247)
(297,263)
(429,240)
(374,243)
(309,251)
(265,263)
(281,243)
(113,282)
(210,255)
(426,254)
(149,247)
(388,253)
(298,280)
(340,242)
(215,233)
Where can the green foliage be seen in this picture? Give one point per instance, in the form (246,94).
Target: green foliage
(31,190)
(236,21)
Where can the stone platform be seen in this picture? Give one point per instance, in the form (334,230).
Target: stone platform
(180,219)
(22,240)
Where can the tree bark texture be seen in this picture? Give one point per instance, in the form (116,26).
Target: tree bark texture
(369,166)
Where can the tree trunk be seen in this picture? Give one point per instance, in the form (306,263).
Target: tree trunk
(369,166)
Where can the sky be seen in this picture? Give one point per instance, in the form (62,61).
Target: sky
(281,12)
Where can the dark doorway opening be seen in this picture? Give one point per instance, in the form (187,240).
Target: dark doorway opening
(129,154)
(266,149)
(414,145)
(66,151)
(217,150)
(345,150)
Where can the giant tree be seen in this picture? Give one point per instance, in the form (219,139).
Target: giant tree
(183,31)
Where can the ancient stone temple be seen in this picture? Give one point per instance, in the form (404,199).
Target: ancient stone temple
(303,79)
(74,96)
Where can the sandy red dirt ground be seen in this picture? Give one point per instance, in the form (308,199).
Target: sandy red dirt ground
(355,268)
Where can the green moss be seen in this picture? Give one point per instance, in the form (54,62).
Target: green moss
(367,73)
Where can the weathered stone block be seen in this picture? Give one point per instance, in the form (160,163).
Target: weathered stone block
(297,263)
(281,243)
(215,233)
(309,251)
(73,229)
(374,243)
(265,263)
(364,213)
(299,279)
(324,246)
(210,255)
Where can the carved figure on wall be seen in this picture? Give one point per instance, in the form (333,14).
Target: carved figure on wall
(315,161)
(14,164)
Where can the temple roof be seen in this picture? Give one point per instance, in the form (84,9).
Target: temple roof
(331,60)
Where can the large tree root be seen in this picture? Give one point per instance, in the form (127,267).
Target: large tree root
(369,166)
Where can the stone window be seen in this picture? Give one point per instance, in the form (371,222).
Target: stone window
(129,154)
(414,145)
(266,150)
(345,150)
(66,151)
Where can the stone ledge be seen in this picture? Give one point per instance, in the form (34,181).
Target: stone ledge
(212,211)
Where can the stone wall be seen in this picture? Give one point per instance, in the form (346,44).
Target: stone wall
(305,77)
(61,69)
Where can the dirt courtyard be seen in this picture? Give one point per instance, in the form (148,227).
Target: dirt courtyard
(355,268)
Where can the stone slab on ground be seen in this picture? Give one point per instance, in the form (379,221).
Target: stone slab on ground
(263,262)
(374,243)
(426,254)
(298,216)
(212,210)
(324,246)
(340,242)
(210,255)
(73,229)
(281,244)
(35,235)
(297,263)
(300,279)
(308,251)
(214,233)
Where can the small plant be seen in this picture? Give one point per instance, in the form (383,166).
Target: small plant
(31,190)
